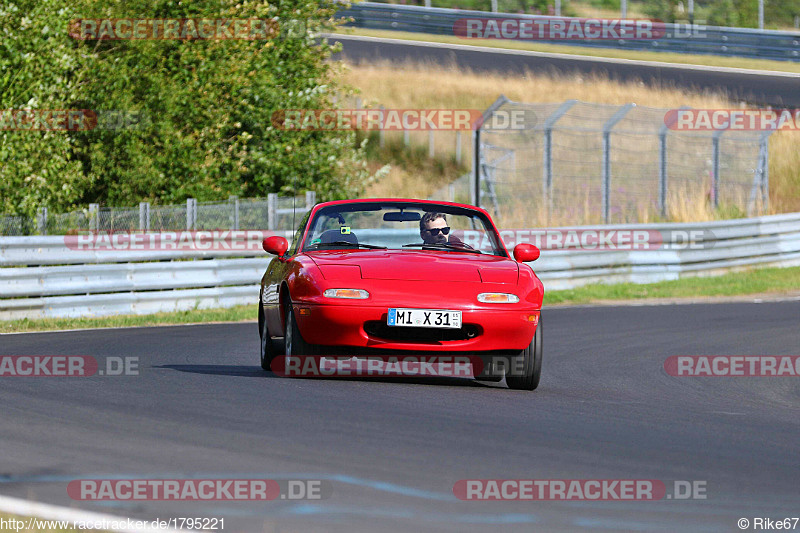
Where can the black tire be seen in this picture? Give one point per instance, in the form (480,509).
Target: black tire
(294,342)
(267,349)
(526,368)
(491,371)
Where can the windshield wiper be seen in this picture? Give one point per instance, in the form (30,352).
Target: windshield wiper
(347,243)
(443,246)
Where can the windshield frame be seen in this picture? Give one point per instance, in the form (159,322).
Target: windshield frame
(381,204)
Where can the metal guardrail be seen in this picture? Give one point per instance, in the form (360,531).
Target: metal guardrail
(115,282)
(680,38)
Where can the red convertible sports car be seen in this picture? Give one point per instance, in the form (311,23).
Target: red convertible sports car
(389,276)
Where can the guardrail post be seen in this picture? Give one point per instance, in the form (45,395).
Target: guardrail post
(494,6)
(607,127)
(41,220)
(191,213)
(547,157)
(272,211)
(715,168)
(458,146)
(234,200)
(94,217)
(311,199)
(144,216)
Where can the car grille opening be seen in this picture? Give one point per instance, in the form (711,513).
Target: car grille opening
(380,330)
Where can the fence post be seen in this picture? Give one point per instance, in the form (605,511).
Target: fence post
(475,189)
(234,200)
(191,213)
(311,199)
(406,137)
(144,216)
(764,170)
(662,171)
(431,151)
(458,146)
(607,127)
(41,220)
(94,217)
(381,133)
(475,194)
(272,211)
(715,167)
(547,181)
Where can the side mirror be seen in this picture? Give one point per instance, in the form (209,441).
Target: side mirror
(275,245)
(526,252)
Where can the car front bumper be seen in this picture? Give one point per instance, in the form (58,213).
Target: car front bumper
(483,330)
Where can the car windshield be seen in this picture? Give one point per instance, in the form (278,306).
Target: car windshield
(402,225)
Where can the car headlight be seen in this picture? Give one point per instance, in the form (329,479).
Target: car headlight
(353,294)
(497,298)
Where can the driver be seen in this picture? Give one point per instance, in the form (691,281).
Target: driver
(433,229)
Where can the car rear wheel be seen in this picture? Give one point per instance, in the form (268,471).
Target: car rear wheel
(526,368)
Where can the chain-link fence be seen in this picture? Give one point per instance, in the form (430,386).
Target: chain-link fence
(585,163)
(271,213)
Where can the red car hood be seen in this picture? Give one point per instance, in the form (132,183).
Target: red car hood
(413,265)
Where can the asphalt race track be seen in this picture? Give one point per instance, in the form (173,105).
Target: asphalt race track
(756,87)
(391,450)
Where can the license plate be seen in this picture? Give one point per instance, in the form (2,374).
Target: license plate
(424,318)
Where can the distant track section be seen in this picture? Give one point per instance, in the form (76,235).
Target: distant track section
(779,89)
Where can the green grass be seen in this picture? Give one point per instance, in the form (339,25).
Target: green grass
(233,314)
(765,281)
(688,59)
(772,281)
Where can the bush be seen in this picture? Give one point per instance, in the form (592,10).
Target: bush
(207,104)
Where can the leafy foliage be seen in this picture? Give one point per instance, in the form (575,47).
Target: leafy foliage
(201,109)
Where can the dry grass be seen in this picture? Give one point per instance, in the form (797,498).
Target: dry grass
(432,86)
(784,172)
(423,85)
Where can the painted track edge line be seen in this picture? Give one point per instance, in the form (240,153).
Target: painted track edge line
(46,511)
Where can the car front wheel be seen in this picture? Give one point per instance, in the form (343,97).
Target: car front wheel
(293,340)
(526,367)
(267,350)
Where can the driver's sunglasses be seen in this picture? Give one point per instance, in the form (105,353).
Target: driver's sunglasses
(435,231)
